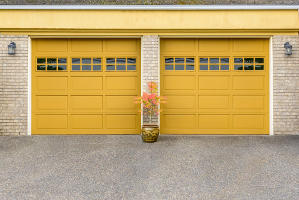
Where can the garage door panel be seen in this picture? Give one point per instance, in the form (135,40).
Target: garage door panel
(180,45)
(179,121)
(50,83)
(179,82)
(86,102)
(121,121)
(249,121)
(214,102)
(180,102)
(57,45)
(87,83)
(245,45)
(248,82)
(214,121)
(51,121)
(121,83)
(120,103)
(86,121)
(87,45)
(51,103)
(213,82)
(122,45)
(214,45)
(249,102)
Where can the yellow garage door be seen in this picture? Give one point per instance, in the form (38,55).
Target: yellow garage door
(215,86)
(85,86)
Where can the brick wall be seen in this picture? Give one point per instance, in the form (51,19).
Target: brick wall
(148,2)
(150,67)
(13,86)
(286,86)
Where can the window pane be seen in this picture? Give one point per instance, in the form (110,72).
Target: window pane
(248,60)
(62,60)
(120,67)
(189,60)
(259,67)
(86,67)
(97,67)
(97,61)
(179,67)
(214,60)
(168,60)
(61,67)
(86,60)
(214,67)
(41,67)
(52,60)
(204,60)
(259,60)
(224,67)
(121,61)
(51,67)
(110,60)
(76,67)
(179,60)
(204,67)
(238,67)
(224,60)
(248,67)
(168,67)
(189,67)
(41,60)
(76,60)
(131,67)
(131,60)
(238,60)
(110,67)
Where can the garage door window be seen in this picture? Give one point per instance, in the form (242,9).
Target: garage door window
(86,64)
(120,64)
(212,64)
(248,63)
(179,64)
(51,64)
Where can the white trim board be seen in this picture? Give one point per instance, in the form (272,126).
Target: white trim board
(271,116)
(149,7)
(29,88)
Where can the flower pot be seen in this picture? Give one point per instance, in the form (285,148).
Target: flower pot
(150,133)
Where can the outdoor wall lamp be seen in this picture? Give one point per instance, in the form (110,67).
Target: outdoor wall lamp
(12,48)
(288,48)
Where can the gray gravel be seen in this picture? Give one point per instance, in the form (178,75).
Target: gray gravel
(123,167)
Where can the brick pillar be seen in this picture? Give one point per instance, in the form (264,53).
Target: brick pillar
(150,64)
(285,86)
(13,86)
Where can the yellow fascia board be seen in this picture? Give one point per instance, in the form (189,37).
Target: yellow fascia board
(87,32)
(82,20)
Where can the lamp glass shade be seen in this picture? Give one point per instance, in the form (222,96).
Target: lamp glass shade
(11,48)
(288,48)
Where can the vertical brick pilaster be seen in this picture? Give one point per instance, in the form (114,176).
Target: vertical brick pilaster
(150,59)
(285,86)
(13,86)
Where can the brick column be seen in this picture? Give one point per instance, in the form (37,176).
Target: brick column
(286,86)
(150,63)
(13,86)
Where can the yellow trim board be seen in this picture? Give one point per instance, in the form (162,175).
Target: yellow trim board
(139,33)
(149,19)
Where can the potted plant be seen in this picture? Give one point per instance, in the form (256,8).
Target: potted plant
(150,107)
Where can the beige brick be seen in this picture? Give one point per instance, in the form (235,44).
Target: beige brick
(13,86)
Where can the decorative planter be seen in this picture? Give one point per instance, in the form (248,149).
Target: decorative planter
(150,133)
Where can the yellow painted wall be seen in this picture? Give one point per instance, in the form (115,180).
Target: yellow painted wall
(117,20)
